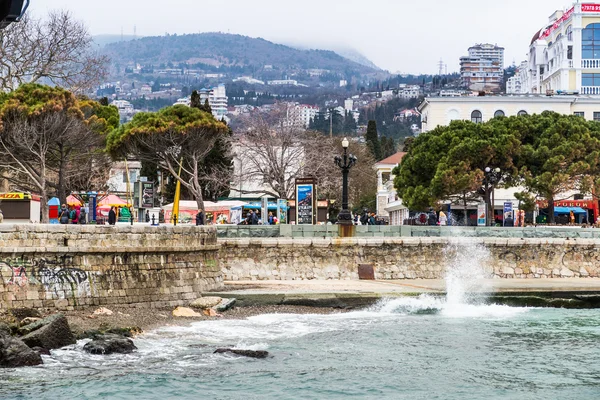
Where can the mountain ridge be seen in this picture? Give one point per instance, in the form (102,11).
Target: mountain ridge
(231,50)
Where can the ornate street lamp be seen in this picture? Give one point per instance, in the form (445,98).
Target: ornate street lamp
(491,177)
(345,163)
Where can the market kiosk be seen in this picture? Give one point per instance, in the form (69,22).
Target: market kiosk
(20,207)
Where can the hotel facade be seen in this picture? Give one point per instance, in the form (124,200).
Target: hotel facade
(564,56)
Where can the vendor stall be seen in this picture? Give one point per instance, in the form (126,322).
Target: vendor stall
(216,212)
(20,207)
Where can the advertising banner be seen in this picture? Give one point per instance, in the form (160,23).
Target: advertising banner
(305,201)
(481,211)
(508,213)
(147,197)
(282,211)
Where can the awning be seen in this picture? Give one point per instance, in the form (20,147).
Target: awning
(567,210)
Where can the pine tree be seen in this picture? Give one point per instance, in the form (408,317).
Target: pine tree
(103,101)
(372,140)
(206,107)
(195,100)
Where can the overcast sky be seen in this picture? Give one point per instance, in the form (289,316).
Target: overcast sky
(397,35)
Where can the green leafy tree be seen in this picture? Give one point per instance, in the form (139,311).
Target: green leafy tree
(560,154)
(52,142)
(372,139)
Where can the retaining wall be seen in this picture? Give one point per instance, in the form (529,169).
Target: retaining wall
(328,231)
(407,258)
(72,266)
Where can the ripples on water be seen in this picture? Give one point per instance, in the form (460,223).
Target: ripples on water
(406,348)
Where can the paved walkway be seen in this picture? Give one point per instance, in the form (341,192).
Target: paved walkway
(399,287)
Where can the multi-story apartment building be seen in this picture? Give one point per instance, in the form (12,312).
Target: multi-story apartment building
(483,68)
(217,98)
(300,115)
(564,56)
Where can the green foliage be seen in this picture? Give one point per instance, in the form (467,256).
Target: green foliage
(548,154)
(178,119)
(372,139)
(195,100)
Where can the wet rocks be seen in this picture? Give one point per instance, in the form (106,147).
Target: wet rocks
(110,343)
(14,353)
(245,353)
(49,333)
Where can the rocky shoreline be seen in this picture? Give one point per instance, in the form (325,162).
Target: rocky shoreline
(26,334)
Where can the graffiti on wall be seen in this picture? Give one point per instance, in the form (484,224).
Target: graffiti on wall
(57,276)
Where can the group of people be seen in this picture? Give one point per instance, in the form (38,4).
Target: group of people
(72,215)
(253,218)
(367,218)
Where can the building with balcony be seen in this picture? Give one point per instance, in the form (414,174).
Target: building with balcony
(388,204)
(483,68)
(440,111)
(564,56)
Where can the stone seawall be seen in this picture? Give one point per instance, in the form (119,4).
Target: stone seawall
(406,258)
(71,266)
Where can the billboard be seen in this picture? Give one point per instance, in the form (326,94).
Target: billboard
(147,195)
(305,201)
(282,211)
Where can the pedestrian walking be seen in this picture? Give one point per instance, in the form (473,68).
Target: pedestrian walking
(82,219)
(112,216)
(63,215)
(199,218)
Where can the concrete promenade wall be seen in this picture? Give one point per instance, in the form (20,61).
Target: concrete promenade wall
(328,231)
(72,266)
(406,258)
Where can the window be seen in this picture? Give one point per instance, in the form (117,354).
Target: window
(590,42)
(590,79)
(522,112)
(596,116)
(579,114)
(570,32)
(499,113)
(569,52)
(476,117)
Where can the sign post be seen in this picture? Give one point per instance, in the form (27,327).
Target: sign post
(481,214)
(508,213)
(305,201)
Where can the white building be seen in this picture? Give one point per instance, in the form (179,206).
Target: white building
(564,56)
(290,82)
(410,92)
(249,80)
(440,111)
(349,104)
(126,111)
(117,183)
(300,115)
(483,68)
(388,203)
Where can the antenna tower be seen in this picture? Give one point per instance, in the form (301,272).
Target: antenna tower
(441,67)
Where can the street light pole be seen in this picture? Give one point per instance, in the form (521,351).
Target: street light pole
(491,177)
(345,162)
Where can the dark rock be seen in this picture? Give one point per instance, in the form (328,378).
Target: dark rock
(41,350)
(110,343)
(129,331)
(50,333)
(4,329)
(245,353)
(22,313)
(14,353)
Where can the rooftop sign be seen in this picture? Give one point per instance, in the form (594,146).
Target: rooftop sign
(562,19)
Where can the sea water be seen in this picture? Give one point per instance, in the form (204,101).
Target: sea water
(406,348)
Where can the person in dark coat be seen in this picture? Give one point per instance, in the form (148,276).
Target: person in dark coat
(112,216)
(200,218)
(63,215)
(82,217)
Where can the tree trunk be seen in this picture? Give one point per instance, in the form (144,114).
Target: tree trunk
(44,200)
(550,199)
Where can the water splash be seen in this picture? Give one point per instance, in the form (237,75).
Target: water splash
(466,273)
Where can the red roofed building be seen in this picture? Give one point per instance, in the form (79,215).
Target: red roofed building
(388,203)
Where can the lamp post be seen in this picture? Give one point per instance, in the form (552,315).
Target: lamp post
(491,177)
(345,162)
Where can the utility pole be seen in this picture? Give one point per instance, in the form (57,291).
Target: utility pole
(330,123)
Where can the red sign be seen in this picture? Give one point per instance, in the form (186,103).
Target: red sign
(562,19)
(593,8)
